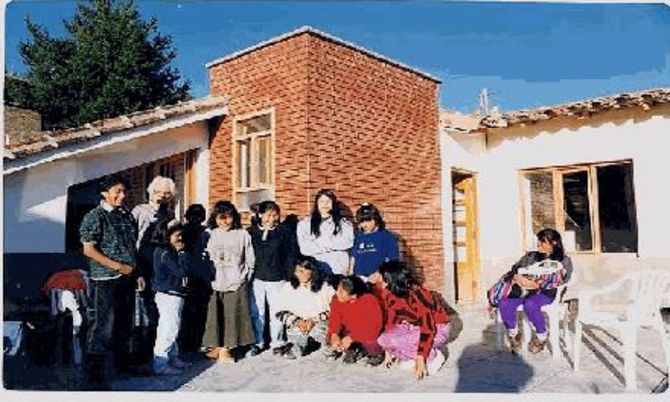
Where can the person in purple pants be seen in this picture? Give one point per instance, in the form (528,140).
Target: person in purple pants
(535,292)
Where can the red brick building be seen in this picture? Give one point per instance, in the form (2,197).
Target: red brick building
(308,111)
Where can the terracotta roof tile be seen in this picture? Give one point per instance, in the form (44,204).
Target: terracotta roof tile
(46,141)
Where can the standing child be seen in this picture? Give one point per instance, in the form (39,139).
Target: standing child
(229,247)
(170,282)
(200,281)
(326,235)
(275,254)
(303,307)
(373,244)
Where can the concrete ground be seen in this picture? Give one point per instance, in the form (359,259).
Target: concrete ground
(473,366)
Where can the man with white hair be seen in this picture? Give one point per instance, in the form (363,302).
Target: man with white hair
(162,192)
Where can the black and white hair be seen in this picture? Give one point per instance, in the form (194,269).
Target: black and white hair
(160,181)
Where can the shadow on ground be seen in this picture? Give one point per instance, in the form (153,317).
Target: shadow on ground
(480,370)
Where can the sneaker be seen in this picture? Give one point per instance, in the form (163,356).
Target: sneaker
(436,364)
(179,364)
(352,354)
(514,343)
(333,354)
(374,361)
(289,354)
(255,351)
(166,370)
(535,346)
(281,350)
(312,346)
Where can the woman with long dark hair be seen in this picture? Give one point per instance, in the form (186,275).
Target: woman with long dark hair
(417,323)
(326,235)
(534,287)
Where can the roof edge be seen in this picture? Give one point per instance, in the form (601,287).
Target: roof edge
(310,30)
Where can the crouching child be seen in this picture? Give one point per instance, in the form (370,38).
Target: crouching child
(355,323)
(303,307)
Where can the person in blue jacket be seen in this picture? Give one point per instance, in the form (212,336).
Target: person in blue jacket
(373,244)
(172,267)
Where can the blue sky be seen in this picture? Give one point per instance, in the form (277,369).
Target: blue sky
(527,55)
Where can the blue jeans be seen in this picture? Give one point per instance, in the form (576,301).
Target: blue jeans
(266,290)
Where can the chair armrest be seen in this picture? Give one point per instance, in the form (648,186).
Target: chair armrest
(606,289)
(585,296)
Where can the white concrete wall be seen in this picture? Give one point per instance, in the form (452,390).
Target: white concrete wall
(35,199)
(646,142)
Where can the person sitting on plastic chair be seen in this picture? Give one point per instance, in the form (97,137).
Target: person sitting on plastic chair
(532,282)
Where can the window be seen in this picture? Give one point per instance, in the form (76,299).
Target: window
(593,206)
(254,159)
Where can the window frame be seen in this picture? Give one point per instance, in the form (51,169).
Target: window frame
(559,213)
(254,172)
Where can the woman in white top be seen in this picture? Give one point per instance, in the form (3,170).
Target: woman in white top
(326,235)
(304,305)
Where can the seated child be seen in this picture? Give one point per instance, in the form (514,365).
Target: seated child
(355,323)
(303,306)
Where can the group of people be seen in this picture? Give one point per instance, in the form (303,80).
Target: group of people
(211,285)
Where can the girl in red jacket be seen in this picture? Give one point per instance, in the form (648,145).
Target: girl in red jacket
(417,324)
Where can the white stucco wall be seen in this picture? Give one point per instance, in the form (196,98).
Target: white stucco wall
(35,199)
(500,237)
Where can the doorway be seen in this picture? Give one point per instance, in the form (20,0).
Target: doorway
(465,236)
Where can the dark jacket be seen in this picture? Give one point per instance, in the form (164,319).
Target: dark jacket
(171,271)
(275,255)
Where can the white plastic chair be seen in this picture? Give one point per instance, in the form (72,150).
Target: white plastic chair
(648,288)
(553,312)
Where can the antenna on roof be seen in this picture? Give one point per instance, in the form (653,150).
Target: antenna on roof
(484,102)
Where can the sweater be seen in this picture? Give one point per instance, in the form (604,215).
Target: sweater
(274,251)
(232,254)
(372,249)
(301,302)
(361,319)
(332,250)
(420,308)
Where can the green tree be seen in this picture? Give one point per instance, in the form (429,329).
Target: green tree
(110,62)
(17,91)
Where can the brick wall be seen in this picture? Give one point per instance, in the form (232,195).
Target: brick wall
(347,121)
(275,76)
